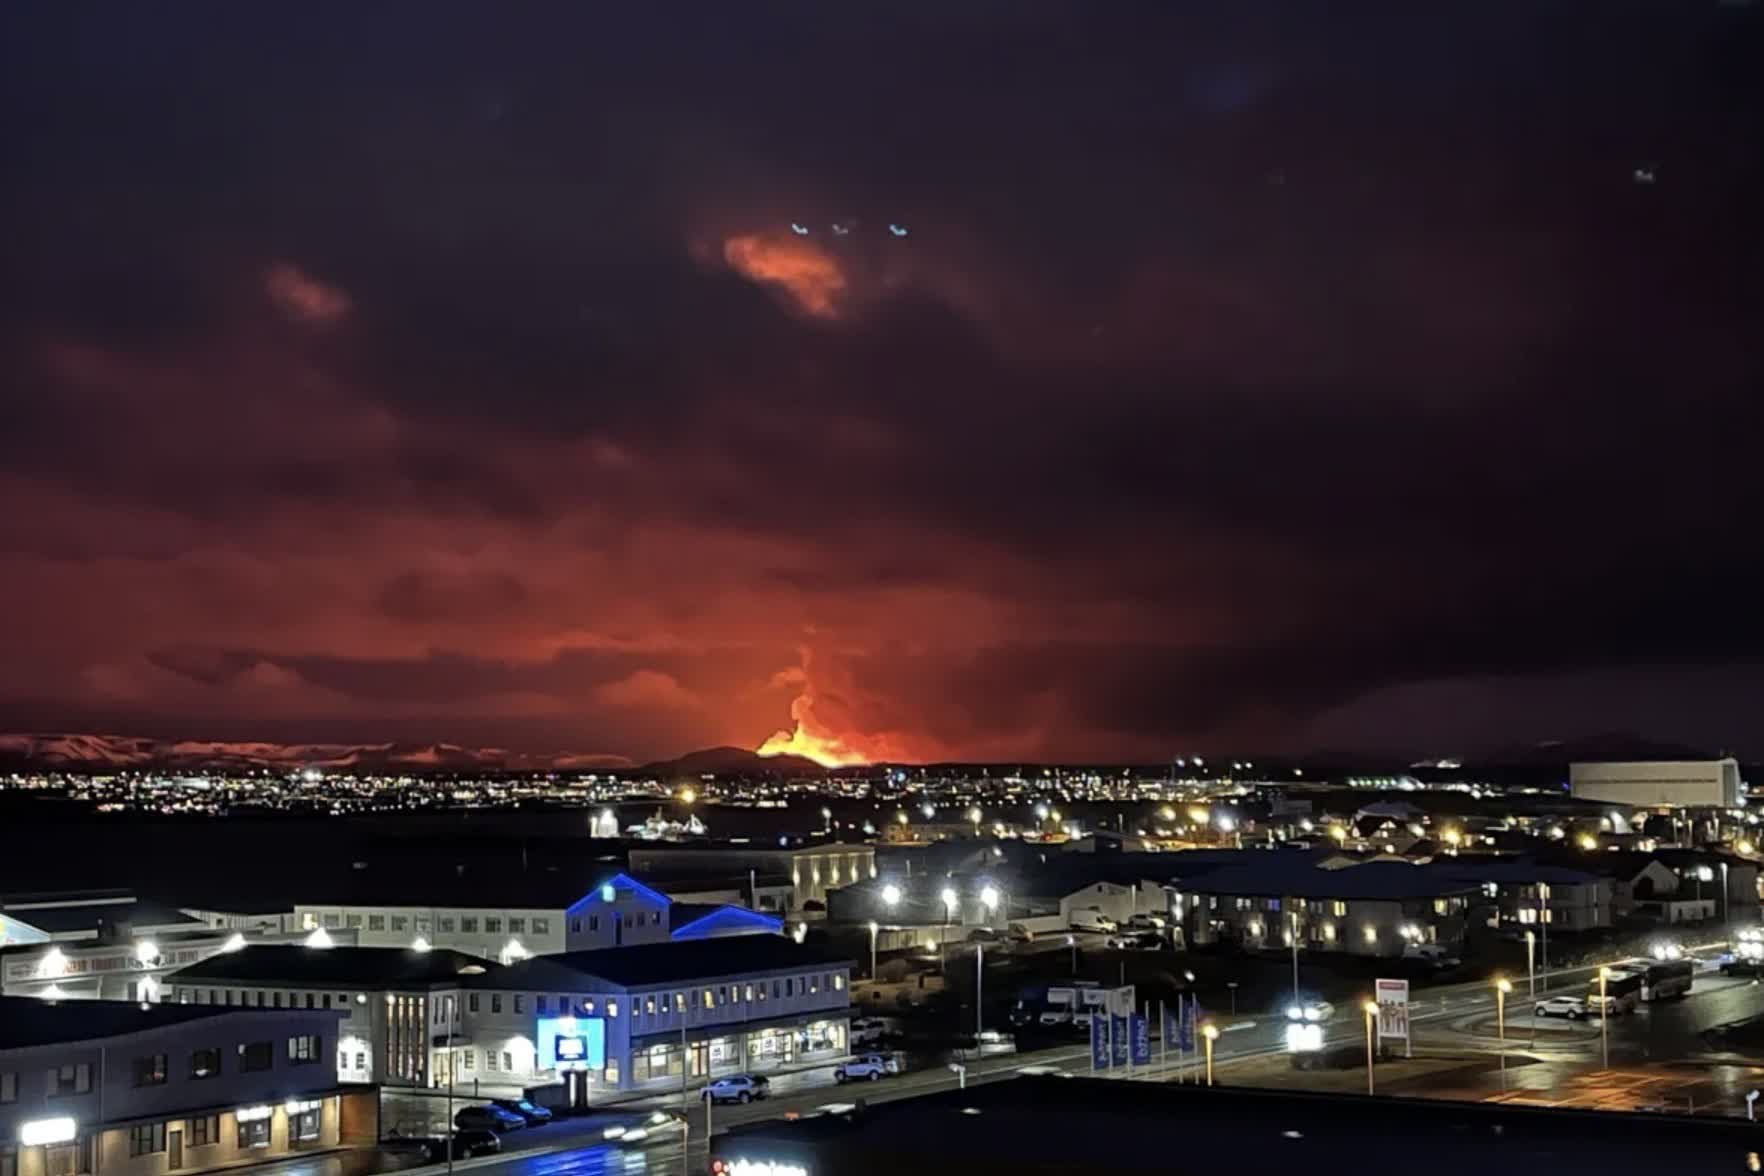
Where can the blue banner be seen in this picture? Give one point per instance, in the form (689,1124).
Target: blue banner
(1140,1032)
(1118,1038)
(1099,1043)
(1172,1030)
(1190,1018)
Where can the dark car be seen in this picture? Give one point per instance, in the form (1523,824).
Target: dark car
(465,1145)
(487,1118)
(525,1108)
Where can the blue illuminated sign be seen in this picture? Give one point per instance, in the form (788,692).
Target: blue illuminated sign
(572,1043)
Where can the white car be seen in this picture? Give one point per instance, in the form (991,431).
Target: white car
(1571,1007)
(737,1088)
(1092,920)
(868,1030)
(1311,1012)
(869,1068)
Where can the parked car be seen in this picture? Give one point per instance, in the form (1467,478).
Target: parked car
(867,1068)
(737,1088)
(1136,941)
(1092,919)
(487,1118)
(868,1030)
(1312,1011)
(1145,921)
(1055,1017)
(465,1145)
(1571,1007)
(529,1111)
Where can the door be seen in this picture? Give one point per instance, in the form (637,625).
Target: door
(174,1149)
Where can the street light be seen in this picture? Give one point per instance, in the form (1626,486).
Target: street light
(1502,987)
(873,929)
(1530,965)
(891,895)
(974,815)
(1370,1008)
(1604,1018)
(989,899)
(1210,1032)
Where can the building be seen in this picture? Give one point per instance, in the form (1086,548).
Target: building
(128,1089)
(112,947)
(1378,908)
(429,1018)
(813,870)
(1522,893)
(381,997)
(1709,783)
(508,918)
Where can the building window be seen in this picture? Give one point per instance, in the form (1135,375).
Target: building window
(71,1079)
(507,1062)
(710,999)
(575,926)
(470,1057)
(148,1070)
(492,926)
(588,1005)
(655,918)
(790,986)
(612,1071)
(540,1005)
(649,1006)
(376,922)
(353,922)
(490,1060)
(68,1159)
(520,1004)
(422,924)
(541,926)
(496,1002)
(146,1139)
(774,988)
(361,1062)
(306,1124)
(468,925)
(255,1133)
(400,922)
(762,992)
(517,926)
(472,1002)
(8,1160)
(8,1087)
(1441,906)
(838,981)
(444,923)
(679,1002)
(334,921)
(1338,908)
(256,1056)
(593,922)
(204,1130)
(304,1049)
(205,1063)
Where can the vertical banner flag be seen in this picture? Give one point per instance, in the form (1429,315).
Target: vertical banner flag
(1141,1036)
(1118,1038)
(1099,1043)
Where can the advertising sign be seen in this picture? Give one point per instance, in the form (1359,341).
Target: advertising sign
(1393,1009)
(571,1043)
(1140,1033)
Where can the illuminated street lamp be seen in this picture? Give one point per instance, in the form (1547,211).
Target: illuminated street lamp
(950,902)
(1370,1008)
(1210,1031)
(1502,987)
(891,895)
(1530,965)
(1604,1018)
(989,899)
(975,815)
(873,929)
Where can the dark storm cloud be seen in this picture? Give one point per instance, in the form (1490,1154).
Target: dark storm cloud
(1239,364)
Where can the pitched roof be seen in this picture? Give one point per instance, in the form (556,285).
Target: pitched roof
(27,1021)
(1283,876)
(661,963)
(358,967)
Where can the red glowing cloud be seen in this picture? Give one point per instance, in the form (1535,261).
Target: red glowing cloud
(810,277)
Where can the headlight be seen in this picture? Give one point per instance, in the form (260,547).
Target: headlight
(1294,1013)
(1313,1013)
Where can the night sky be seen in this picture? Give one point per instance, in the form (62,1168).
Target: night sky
(1274,376)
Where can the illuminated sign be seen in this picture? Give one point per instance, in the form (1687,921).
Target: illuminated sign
(252,1114)
(296,1106)
(742,1166)
(572,1043)
(35,1132)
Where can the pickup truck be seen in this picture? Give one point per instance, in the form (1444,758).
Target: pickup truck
(868,1067)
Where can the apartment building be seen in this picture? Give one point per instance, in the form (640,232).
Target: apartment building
(587,1022)
(813,869)
(508,919)
(126,1089)
(1378,908)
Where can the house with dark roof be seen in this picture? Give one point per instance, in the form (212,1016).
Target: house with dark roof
(1377,908)
(132,1089)
(586,1022)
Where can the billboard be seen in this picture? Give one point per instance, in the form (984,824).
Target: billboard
(571,1043)
(1393,1009)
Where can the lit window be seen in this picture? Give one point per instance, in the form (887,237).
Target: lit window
(612,1008)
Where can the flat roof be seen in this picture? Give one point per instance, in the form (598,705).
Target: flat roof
(664,963)
(344,967)
(1085,1124)
(1299,877)
(27,1021)
(82,916)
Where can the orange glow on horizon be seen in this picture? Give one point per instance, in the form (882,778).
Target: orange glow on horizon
(829,753)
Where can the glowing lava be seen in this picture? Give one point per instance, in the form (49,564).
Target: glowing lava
(812,740)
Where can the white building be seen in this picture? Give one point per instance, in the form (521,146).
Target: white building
(1677,783)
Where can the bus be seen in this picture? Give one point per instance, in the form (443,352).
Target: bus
(1622,992)
(1666,979)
